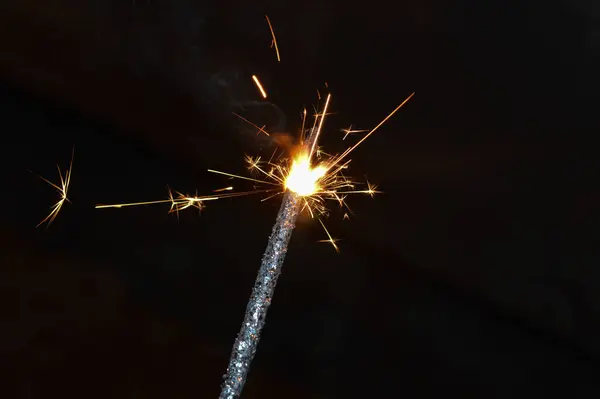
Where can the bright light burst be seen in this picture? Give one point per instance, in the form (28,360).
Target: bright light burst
(303,178)
(62,190)
(316,176)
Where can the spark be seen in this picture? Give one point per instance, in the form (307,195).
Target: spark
(330,239)
(302,130)
(259,85)
(350,131)
(184,201)
(178,203)
(366,136)
(62,190)
(243,177)
(306,185)
(223,189)
(315,179)
(372,189)
(318,133)
(252,162)
(274,42)
(260,129)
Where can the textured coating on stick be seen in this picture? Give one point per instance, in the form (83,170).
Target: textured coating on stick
(245,345)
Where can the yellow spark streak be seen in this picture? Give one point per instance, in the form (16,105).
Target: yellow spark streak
(332,175)
(351,131)
(254,165)
(259,85)
(242,177)
(271,196)
(371,192)
(272,155)
(133,204)
(62,191)
(320,126)
(272,174)
(371,189)
(340,200)
(307,206)
(316,182)
(223,189)
(331,240)
(252,162)
(184,201)
(260,129)
(349,150)
(274,39)
(303,122)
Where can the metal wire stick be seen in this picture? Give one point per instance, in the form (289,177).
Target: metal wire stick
(245,345)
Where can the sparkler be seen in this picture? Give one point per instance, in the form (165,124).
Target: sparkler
(247,340)
(304,186)
(62,190)
(306,181)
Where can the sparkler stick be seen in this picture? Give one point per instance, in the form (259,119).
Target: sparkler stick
(246,343)
(304,187)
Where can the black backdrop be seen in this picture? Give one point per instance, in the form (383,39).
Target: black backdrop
(475,273)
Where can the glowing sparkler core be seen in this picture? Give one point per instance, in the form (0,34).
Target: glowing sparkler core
(302,178)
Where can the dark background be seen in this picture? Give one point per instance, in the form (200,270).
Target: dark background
(474,275)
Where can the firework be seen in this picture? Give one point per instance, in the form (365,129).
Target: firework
(259,86)
(304,187)
(314,175)
(62,191)
(274,40)
(307,178)
(184,201)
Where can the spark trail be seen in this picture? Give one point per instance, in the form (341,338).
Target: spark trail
(304,186)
